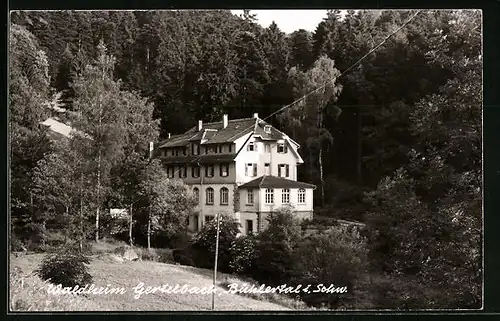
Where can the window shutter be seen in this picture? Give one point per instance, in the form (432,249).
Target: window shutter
(246,169)
(254,169)
(287,170)
(279,170)
(220,169)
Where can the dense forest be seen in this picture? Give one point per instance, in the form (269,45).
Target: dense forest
(394,142)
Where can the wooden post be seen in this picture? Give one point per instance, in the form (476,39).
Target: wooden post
(130,227)
(215,263)
(149,228)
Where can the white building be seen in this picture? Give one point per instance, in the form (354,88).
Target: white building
(242,167)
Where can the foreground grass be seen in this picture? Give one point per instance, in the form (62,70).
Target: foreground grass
(29,293)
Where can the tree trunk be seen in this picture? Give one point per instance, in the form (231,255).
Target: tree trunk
(81,213)
(149,229)
(320,161)
(130,227)
(66,230)
(359,149)
(320,156)
(98,196)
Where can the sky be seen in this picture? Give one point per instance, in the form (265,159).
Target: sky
(288,20)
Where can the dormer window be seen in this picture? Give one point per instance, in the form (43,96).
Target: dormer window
(282,149)
(195,149)
(267,129)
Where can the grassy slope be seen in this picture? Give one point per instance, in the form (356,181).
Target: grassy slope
(31,293)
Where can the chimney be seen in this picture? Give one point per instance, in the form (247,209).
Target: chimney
(224,121)
(200,125)
(255,115)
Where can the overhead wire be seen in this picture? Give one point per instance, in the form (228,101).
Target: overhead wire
(320,87)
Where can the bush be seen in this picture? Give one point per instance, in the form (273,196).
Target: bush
(16,244)
(274,259)
(66,269)
(338,256)
(205,241)
(165,255)
(184,256)
(165,239)
(243,254)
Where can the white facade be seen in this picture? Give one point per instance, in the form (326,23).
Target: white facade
(248,157)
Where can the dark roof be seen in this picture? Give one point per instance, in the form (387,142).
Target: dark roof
(213,133)
(202,159)
(275,182)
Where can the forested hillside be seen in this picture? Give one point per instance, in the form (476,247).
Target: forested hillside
(394,142)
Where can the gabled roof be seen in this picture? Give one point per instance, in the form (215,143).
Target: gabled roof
(267,181)
(214,133)
(59,129)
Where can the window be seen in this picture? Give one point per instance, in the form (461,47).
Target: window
(210,196)
(195,149)
(209,171)
(282,149)
(224,170)
(220,149)
(302,196)
(196,194)
(251,147)
(267,129)
(210,150)
(283,170)
(208,218)
(269,196)
(182,171)
(195,171)
(285,196)
(177,151)
(184,151)
(249,227)
(224,196)
(170,171)
(230,148)
(250,169)
(267,148)
(249,196)
(267,169)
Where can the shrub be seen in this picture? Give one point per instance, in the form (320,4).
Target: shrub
(243,254)
(67,269)
(337,256)
(204,243)
(147,255)
(274,259)
(16,244)
(184,256)
(166,239)
(165,255)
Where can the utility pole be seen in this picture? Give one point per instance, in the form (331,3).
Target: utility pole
(215,263)
(131,222)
